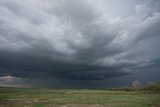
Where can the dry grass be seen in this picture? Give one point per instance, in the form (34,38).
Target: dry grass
(15,97)
(85,105)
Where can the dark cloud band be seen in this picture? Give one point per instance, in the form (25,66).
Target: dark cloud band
(73,40)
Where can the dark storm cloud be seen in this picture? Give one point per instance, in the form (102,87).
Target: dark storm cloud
(76,39)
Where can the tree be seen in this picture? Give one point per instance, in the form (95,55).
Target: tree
(136,85)
(153,86)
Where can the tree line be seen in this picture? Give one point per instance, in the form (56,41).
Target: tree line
(138,86)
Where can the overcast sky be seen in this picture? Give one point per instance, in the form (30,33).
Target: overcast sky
(79,43)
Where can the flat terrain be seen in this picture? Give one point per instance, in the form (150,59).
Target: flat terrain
(23,97)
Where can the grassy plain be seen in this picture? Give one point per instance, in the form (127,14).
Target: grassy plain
(26,97)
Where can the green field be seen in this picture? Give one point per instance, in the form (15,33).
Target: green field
(23,97)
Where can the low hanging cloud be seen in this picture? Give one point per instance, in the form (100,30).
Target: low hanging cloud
(73,39)
(9,81)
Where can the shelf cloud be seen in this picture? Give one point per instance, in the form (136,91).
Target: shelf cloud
(78,39)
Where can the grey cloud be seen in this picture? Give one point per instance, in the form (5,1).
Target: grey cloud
(72,40)
(9,81)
